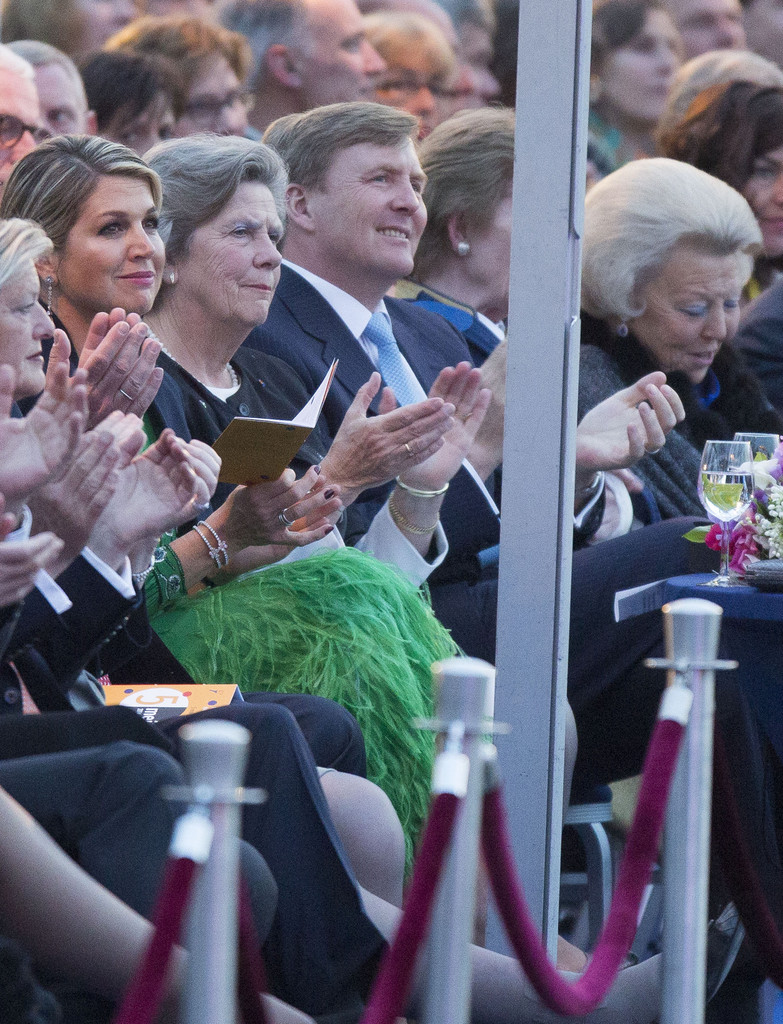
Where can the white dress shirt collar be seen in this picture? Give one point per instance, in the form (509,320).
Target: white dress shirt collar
(353,313)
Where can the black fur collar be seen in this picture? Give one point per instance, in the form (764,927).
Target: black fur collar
(741,404)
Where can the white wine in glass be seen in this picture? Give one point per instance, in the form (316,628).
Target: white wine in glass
(761,445)
(725,490)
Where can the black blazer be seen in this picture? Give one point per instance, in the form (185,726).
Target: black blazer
(50,649)
(304,331)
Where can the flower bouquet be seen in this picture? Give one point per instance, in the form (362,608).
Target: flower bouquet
(758,535)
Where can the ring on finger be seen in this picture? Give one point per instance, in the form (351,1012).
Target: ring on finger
(284,520)
(126,395)
(408,448)
(654,451)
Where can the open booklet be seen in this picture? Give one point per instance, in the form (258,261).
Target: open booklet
(253,450)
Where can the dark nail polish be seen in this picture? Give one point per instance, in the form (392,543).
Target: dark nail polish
(317,468)
(329,494)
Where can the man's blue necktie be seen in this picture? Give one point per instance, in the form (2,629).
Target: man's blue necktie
(379,332)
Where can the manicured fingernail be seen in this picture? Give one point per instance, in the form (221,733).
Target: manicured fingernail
(317,468)
(329,494)
(123,328)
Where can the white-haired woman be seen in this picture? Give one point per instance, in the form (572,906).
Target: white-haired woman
(667,251)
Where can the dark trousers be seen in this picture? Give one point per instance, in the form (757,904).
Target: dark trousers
(321,948)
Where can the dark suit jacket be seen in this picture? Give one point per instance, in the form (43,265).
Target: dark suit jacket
(50,650)
(303,329)
(760,338)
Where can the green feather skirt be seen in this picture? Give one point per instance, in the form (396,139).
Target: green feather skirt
(341,625)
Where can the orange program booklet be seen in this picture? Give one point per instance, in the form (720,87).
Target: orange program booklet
(253,450)
(154,703)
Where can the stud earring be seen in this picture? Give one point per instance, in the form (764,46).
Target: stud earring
(463,248)
(622,330)
(172,277)
(49,282)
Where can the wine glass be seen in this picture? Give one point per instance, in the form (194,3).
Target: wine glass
(761,445)
(725,490)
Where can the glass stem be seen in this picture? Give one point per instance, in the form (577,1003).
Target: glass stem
(724,549)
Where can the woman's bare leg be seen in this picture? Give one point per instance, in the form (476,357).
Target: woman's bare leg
(370,832)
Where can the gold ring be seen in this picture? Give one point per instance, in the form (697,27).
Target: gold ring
(408,448)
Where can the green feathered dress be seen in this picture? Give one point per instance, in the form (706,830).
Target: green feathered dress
(339,624)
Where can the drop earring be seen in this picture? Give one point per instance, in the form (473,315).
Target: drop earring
(463,248)
(622,329)
(172,277)
(49,282)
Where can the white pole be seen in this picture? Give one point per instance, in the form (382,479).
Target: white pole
(692,630)
(465,687)
(538,464)
(215,754)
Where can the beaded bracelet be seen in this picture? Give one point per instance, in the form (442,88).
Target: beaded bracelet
(167,579)
(399,520)
(422,494)
(139,578)
(218,552)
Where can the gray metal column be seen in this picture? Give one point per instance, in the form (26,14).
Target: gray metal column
(691,629)
(535,550)
(214,754)
(464,693)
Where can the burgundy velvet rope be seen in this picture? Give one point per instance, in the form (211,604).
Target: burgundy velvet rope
(145,991)
(584,995)
(252,976)
(393,982)
(739,872)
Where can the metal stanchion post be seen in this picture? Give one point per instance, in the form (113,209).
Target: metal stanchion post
(215,754)
(692,630)
(465,689)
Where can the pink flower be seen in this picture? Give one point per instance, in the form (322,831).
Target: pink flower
(743,548)
(714,537)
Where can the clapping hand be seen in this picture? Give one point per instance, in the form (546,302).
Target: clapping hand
(119,357)
(625,427)
(371,450)
(460,388)
(22,560)
(41,444)
(157,491)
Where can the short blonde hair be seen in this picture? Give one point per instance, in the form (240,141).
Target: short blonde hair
(718,67)
(189,43)
(22,244)
(397,33)
(636,217)
(469,163)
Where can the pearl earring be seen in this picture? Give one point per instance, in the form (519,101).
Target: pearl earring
(463,248)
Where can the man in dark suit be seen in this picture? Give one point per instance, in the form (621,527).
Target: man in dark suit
(349,244)
(355,216)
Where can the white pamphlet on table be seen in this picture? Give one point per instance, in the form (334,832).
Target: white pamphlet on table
(638,600)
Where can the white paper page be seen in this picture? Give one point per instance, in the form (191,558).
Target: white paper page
(308,416)
(637,600)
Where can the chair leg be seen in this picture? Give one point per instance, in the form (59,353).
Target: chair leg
(598,856)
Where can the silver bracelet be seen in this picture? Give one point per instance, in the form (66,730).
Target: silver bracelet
(219,552)
(421,494)
(139,577)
